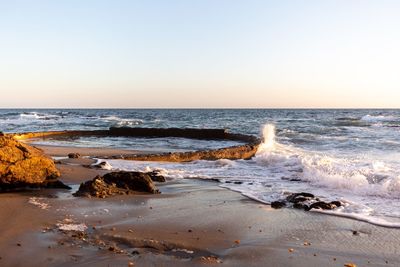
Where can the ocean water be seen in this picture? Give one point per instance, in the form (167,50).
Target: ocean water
(350,155)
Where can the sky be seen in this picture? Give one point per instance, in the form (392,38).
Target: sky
(199,54)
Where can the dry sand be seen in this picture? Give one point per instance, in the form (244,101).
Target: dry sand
(192,223)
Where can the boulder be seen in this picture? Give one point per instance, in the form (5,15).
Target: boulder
(22,165)
(117,183)
(74,155)
(305,201)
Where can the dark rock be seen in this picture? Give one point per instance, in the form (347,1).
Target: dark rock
(238,182)
(135,252)
(22,165)
(278,204)
(169,132)
(1,134)
(206,134)
(322,205)
(300,206)
(299,197)
(74,155)
(55,184)
(336,203)
(156,176)
(117,183)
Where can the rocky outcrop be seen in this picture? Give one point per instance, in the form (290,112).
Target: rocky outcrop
(22,165)
(204,134)
(232,153)
(245,151)
(193,133)
(117,183)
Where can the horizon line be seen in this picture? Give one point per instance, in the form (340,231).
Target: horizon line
(202,108)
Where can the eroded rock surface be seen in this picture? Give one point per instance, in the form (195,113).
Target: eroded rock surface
(232,153)
(117,183)
(22,165)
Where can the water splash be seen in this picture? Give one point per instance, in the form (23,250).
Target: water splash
(268,136)
(268,143)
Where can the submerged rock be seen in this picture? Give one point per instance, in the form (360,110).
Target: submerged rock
(278,204)
(300,197)
(22,165)
(305,201)
(117,183)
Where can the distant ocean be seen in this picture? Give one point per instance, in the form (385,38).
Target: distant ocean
(351,155)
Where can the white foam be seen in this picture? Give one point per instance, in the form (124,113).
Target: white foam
(370,187)
(59,158)
(39,202)
(105,166)
(371,118)
(32,115)
(361,217)
(37,116)
(123,121)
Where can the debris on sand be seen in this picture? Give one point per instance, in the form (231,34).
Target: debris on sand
(38,201)
(81,227)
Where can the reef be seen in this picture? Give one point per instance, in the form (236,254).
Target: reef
(245,151)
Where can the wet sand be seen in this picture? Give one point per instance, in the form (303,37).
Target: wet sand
(192,223)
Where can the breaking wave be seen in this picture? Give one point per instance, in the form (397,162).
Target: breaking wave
(365,186)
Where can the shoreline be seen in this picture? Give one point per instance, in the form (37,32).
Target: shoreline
(193,222)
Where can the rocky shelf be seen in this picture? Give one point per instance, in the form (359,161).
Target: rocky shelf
(245,151)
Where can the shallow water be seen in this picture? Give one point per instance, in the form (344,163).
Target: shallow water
(352,155)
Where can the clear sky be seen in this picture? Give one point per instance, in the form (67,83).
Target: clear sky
(199,53)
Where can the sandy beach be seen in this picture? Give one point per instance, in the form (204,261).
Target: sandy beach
(191,223)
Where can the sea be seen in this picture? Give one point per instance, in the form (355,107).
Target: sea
(351,155)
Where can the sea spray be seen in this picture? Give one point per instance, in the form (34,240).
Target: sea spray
(268,134)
